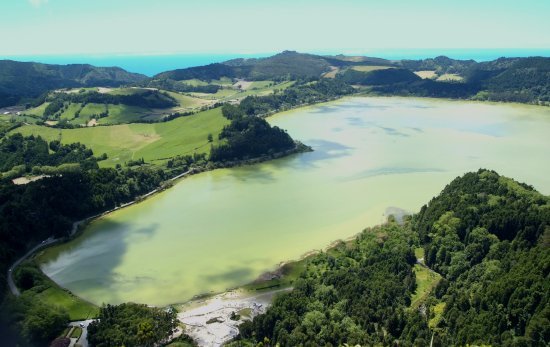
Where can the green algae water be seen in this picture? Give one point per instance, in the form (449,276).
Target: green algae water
(223,228)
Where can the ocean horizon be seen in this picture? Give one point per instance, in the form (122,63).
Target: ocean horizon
(152,64)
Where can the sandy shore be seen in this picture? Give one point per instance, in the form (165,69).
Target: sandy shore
(208,321)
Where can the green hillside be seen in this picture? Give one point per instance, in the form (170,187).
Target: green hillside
(486,242)
(19,80)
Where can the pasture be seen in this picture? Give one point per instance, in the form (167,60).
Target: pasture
(155,142)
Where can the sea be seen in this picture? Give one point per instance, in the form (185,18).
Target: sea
(152,64)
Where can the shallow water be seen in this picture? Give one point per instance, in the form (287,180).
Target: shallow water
(223,228)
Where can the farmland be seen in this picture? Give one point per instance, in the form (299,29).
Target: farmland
(152,142)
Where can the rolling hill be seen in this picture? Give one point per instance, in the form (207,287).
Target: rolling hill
(20,80)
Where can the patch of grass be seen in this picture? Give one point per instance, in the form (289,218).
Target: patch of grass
(65,332)
(426,74)
(37,111)
(450,77)
(369,68)
(188,102)
(182,341)
(332,73)
(49,293)
(119,114)
(77,331)
(419,253)
(90,110)
(127,91)
(70,112)
(437,312)
(5,120)
(289,273)
(426,280)
(245,312)
(153,142)
(261,84)
(196,82)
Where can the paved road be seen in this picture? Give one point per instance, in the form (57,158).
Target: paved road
(83,340)
(11,283)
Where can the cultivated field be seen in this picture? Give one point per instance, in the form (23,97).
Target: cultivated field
(154,143)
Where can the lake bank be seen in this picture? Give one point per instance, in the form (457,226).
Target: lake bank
(370,154)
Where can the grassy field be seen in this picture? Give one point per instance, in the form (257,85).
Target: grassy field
(37,111)
(6,119)
(332,73)
(438,310)
(188,102)
(450,77)
(70,112)
(224,81)
(124,114)
(369,68)
(77,331)
(153,142)
(195,82)
(419,253)
(290,272)
(256,88)
(90,110)
(426,279)
(426,74)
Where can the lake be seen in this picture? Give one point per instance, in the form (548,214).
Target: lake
(372,157)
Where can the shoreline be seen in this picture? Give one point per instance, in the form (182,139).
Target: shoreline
(254,161)
(79,226)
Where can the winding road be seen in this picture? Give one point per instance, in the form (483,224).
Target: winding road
(13,288)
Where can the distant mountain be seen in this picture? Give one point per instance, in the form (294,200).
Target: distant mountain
(20,80)
(525,80)
(285,65)
(514,79)
(506,79)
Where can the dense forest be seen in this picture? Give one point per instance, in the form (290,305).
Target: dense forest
(250,137)
(131,325)
(20,155)
(487,236)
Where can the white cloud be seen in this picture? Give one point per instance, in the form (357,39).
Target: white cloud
(38,3)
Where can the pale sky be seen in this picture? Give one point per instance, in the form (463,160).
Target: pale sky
(39,27)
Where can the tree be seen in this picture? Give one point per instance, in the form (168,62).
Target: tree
(43,323)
